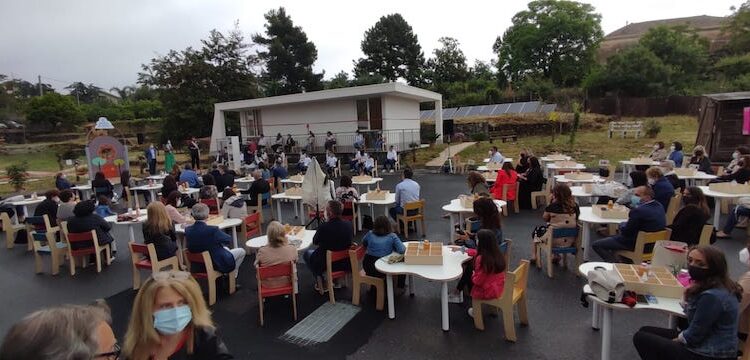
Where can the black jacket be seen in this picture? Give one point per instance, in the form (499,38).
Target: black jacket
(104,184)
(165,244)
(741,176)
(49,208)
(257,188)
(207,346)
(79,224)
(334,235)
(224,181)
(688,224)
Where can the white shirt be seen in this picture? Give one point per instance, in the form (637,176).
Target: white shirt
(357,156)
(392,155)
(263,141)
(369,162)
(331,161)
(359,138)
(497,157)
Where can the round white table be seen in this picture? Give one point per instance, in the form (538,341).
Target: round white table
(454,208)
(603,312)
(594,179)
(141,219)
(450,270)
(227,223)
(370,182)
(719,196)
(628,166)
(553,168)
(152,189)
(244,182)
(505,160)
(587,218)
(191,192)
(287,181)
(296,199)
(699,176)
(157,177)
(260,241)
(85,190)
(25,203)
(390,199)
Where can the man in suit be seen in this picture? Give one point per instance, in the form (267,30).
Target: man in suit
(202,237)
(335,234)
(648,216)
(151,159)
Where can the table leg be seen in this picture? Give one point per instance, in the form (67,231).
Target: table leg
(717,211)
(606,333)
(234,235)
(586,240)
(595,315)
(296,209)
(672,321)
(372,211)
(389,291)
(153,195)
(451,233)
(278,212)
(444,304)
(131,232)
(411,285)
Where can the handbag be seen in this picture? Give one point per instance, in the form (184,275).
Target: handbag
(606,285)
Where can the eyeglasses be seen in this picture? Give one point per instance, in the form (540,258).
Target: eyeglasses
(167,275)
(112,355)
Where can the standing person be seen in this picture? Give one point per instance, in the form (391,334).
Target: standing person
(663,189)
(168,156)
(279,143)
(49,206)
(379,142)
(359,140)
(331,162)
(390,159)
(523,162)
(688,223)
(381,241)
(330,141)
(310,142)
(277,251)
(676,154)
(712,307)
(658,153)
(406,191)
(508,176)
(170,320)
(67,203)
(61,182)
(530,181)
(335,234)
(262,142)
(701,159)
(158,230)
(477,184)
(290,143)
(234,206)
(195,152)
(562,203)
(202,237)
(151,159)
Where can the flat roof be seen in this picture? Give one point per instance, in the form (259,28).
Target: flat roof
(393,88)
(743,95)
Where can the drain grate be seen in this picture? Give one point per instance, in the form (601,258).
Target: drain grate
(321,324)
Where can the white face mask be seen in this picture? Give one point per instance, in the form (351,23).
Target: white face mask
(745,256)
(671,148)
(651,181)
(735,155)
(656,147)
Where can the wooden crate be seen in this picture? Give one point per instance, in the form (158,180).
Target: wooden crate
(377,194)
(467,201)
(294,191)
(661,283)
(577,175)
(215,220)
(566,164)
(616,212)
(730,188)
(641,161)
(494,166)
(430,253)
(297,178)
(361,178)
(685,171)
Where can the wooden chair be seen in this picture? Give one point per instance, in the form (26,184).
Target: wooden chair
(359,278)
(265,272)
(213,205)
(46,243)
(251,226)
(706,233)
(544,193)
(40,224)
(548,250)
(414,217)
(310,211)
(142,257)
(638,254)
(673,207)
(10,229)
(86,238)
(211,275)
(349,205)
(258,208)
(397,165)
(514,293)
(332,257)
(506,188)
(374,172)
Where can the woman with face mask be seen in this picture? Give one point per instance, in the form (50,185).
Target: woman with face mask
(738,153)
(659,153)
(675,153)
(663,189)
(170,320)
(700,158)
(711,304)
(741,173)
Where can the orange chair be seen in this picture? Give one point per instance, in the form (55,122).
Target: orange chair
(506,188)
(359,277)
(251,226)
(332,257)
(147,261)
(209,273)
(265,272)
(91,241)
(213,205)
(352,216)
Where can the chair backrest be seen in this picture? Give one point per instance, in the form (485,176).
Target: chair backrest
(706,233)
(355,259)
(673,207)
(136,248)
(203,258)
(251,224)
(5,221)
(515,279)
(645,238)
(284,269)
(38,223)
(509,187)
(213,205)
(334,256)
(414,205)
(88,236)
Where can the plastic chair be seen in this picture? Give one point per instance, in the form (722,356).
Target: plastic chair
(332,257)
(359,278)
(211,275)
(349,205)
(251,226)
(706,233)
(88,238)
(506,188)
(673,207)
(513,293)
(414,217)
(147,261)
(639,254)
(273,271)
(544,193)
(56,250)
(547,249)
(213,205)
(10,229)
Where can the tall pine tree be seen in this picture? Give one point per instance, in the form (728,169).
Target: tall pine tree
(392,51)
(288,56)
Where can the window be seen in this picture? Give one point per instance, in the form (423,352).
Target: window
(363,119)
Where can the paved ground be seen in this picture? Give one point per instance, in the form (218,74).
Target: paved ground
(450,151)
(559,325)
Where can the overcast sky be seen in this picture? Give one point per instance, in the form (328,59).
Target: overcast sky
(105,42)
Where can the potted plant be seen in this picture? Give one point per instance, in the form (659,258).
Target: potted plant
(17,175)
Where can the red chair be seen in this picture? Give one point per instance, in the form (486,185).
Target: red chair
(351,215)
(213,205)
(92,248)
(209,273)
(146,261)
(272,184)
(332,257)
(251,226)
(273,271)
(311,212)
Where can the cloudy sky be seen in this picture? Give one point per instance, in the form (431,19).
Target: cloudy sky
(105,42)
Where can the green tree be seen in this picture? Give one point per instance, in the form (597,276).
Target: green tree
(23,90)
(637,71)
(738,28)
(190,81)
(125,92)
(84,94)
(288,56)
(340,80)
(552,39)
(683,51)
(391,51)
(449,63)
(54,109)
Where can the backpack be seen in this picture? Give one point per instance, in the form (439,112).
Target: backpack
(606,284)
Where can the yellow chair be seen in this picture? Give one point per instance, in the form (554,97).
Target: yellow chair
(406,218)
(46,243)
(673,207)
(706,233)
(10,229)
(513,293)
(148,261)
(544,193)
(547,249)
(359,278)
(209,273)
(506,188)
(638,254)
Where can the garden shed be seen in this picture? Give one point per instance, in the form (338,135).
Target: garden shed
(724,123)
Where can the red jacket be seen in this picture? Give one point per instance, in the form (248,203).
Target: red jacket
(503,178)
(486,286)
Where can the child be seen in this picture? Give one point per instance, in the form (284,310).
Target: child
(102,209)
(488,277)
(381,241)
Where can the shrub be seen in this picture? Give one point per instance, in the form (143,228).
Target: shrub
(17,175)
(479,137)
(653,128)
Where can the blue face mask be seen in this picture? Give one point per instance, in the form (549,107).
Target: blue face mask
(634,201)
(172,321)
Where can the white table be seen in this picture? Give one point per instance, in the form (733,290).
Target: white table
(553,168)
(390,199)
(603,312)
(158,177)
(628,166)
(594,179)
(587,218)
(84,189)
(699,176)
(505,160)
(190,192)
(25,203)
(287,181)
(546,159)
(296,199)
(370,182)
(141,219)
(227,223)
(260,241)
(456,209)
(450,270)
(244,182)
(152,189)
(719,196)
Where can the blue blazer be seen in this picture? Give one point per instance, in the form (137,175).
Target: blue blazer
(201,237)
(663,191)
(648,217)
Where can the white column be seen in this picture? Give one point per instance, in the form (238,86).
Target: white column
(439,120)
(243,125)
(218,130)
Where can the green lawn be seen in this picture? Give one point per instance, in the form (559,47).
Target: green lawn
(38,161)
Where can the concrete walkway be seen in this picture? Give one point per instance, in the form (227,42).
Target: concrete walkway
(453,150)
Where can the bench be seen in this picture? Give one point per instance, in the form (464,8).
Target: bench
(503,135)
(623,127)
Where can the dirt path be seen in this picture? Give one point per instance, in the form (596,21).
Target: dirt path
(452,150)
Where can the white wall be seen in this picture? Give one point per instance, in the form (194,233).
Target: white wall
(335,115)
(400,113)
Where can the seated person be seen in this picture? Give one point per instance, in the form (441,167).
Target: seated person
(477,184)
(345,191)
(67,203)
(61,182)
(354,165)
(390,159)
(265,174)
(489,219)
(278,171)
(225,179)
(637,179)
(101,186)
(85,220)
(158,230)
(168,185)
(741,210)
(496,156)
(359,140)
(506,175)
(190,177)
(335,234)
(208,190)
(530,181)
(744,282)
(49,206)
(406,191)
(688,223)
(562,212)
(278,251)
(331,162)
(174,201)
(202,237)
(648,216)
(667,167)
(330,141)
(381,241)
(304,162)
(659,153)
(700,158)
(488,275)
(234,206)
(368,165)
(257,188)
(741,173)
(676,154)
(738,153)
(102,208)
(663,189)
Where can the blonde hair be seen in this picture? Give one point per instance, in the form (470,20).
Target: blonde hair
(654,172)
(141,337)
(158,221)
(276,234)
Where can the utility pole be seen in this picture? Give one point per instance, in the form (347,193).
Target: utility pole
(39,83)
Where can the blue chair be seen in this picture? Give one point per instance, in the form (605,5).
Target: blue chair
(547,247)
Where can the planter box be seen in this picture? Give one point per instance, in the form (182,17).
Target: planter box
(661,283)
(424,253)
(616,212)
(685,171)
(730,188)
(215,220)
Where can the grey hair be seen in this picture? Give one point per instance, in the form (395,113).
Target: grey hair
(200,211)
(257,174)
(66,332)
